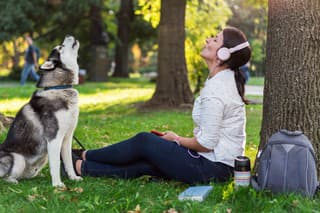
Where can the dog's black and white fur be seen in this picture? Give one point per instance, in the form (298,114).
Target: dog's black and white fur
(44,127)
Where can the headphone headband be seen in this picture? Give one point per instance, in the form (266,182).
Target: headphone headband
(224,53)
(239,47)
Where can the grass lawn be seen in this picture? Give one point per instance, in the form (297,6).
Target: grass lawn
(108,114)
(256,81)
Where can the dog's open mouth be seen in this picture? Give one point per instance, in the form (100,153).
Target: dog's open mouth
(75,42)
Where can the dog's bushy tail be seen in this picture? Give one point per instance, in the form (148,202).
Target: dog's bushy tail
(6,163)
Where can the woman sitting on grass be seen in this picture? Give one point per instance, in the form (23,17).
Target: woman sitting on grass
(219,135)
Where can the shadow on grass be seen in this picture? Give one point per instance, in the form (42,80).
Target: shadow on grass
(115,122)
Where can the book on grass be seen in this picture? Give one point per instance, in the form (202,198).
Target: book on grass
(198,193)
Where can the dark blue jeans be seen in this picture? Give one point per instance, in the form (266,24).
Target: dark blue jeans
(148,154)
(27,70)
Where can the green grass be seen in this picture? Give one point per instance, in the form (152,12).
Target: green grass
(256,81)
(108,114)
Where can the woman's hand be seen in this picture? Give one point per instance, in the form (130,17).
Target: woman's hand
(170,136)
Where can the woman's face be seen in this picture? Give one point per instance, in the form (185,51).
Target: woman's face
(209,52)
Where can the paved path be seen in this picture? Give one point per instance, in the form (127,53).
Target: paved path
(8,84)
(254,90)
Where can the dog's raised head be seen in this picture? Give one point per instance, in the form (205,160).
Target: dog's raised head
(61,67)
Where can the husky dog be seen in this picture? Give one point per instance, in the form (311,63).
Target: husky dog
(44,127)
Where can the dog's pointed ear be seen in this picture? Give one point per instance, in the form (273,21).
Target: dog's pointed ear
(48,65)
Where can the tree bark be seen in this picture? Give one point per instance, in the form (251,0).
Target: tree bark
(125,17)
(292,79)
(99,60)
(16,54)
(172,88)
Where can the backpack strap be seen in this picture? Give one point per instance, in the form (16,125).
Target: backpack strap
(254,183)
(317,190)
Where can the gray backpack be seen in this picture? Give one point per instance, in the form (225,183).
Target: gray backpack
(287,164)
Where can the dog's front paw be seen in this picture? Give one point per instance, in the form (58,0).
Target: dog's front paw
(76,178)
(11,180)
(59,185)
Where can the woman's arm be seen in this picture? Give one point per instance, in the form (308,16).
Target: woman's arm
(190,143)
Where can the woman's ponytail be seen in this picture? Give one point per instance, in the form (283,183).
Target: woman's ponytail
(240,82)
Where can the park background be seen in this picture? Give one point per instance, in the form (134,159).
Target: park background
(129,50)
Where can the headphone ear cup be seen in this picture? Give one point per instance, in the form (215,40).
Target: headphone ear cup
(223,54)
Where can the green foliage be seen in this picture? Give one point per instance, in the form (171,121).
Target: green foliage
(251,17)
(108,114)
(39,16)
(150,9)
(17,17)
(48,21)
(203,19)
(15,73)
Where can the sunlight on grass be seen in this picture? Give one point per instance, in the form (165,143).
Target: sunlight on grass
(88,102)
(111,97)
(12,106)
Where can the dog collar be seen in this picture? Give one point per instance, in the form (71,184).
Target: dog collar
(58,87)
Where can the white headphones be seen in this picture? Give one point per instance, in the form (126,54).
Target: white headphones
(225,53)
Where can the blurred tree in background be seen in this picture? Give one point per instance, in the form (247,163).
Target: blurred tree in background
(125,17)
(98,44)
(120,36)
(172,87)
(49,21)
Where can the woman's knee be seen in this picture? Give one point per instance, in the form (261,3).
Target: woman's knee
(144,138)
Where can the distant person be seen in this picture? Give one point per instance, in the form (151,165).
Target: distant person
(30,62)
(245,71)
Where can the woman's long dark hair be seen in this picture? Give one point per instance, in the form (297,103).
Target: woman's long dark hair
(231,38)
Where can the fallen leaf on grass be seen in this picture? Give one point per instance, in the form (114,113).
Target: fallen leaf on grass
(64,189)
(32,197)
(60,189)
(77,189)
(295,203)
(171,210)
(136,210)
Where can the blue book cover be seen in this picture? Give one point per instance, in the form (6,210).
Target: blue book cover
(198,193)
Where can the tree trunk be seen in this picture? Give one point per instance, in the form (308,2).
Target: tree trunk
(16,55)
(98,70)
(125,17)
(172,88)
(292,79)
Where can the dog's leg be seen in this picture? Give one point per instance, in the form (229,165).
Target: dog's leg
(67,157)
(54,148)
